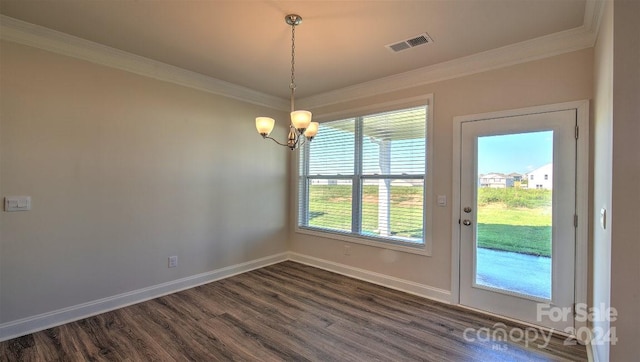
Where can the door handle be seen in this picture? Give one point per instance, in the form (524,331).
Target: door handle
(466,222)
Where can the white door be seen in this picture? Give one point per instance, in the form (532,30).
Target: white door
(517,210)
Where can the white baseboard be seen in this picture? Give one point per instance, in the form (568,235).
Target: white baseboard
(58,317)
(406,286)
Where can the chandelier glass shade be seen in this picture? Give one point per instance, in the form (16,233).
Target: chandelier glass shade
(301,128)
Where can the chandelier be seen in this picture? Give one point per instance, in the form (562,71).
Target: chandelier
(301,127)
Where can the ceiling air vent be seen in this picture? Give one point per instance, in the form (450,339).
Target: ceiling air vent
(417,40)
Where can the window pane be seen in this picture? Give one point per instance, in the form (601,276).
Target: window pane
(394,142)
(393,208)
(332,152)
(330,204)
(391,144)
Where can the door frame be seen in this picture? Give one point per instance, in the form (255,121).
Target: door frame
(582,194)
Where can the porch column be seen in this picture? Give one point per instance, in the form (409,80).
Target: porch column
(384,189)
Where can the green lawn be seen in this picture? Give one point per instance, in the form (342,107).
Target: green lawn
(508,219)
(518,229)
(330,207)
(523,239)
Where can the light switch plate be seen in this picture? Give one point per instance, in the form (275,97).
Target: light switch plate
(442,200)
(17,203)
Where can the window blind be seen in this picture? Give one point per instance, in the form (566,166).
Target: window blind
(365,176)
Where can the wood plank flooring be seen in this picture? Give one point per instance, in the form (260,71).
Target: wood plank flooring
(284,312)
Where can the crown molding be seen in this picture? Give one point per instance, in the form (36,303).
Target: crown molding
(36,36)
(538,48)
(592,14)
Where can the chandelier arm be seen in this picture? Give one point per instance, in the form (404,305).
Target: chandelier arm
(276,141)
(296,143)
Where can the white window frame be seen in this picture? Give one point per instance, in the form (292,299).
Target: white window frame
(429,198)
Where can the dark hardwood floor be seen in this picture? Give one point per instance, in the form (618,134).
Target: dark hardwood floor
(286,312)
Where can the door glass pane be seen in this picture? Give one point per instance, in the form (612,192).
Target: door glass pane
(514,194)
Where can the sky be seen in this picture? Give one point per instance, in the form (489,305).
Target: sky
(521,152)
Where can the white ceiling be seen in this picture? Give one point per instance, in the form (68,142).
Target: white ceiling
(338,44)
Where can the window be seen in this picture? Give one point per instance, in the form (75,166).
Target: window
(364,177)
(546,177)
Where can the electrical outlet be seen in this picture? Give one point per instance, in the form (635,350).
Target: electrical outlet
(347,250)
(173,261)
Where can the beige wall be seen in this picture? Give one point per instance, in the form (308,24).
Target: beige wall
(558,79)
(625,198)
(602,122)
(123,172)
(616,151)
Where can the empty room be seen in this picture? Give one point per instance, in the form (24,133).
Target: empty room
(266,180)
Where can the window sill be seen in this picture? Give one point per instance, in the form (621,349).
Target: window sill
(419,249)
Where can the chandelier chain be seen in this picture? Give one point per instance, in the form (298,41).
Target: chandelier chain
(293,65)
